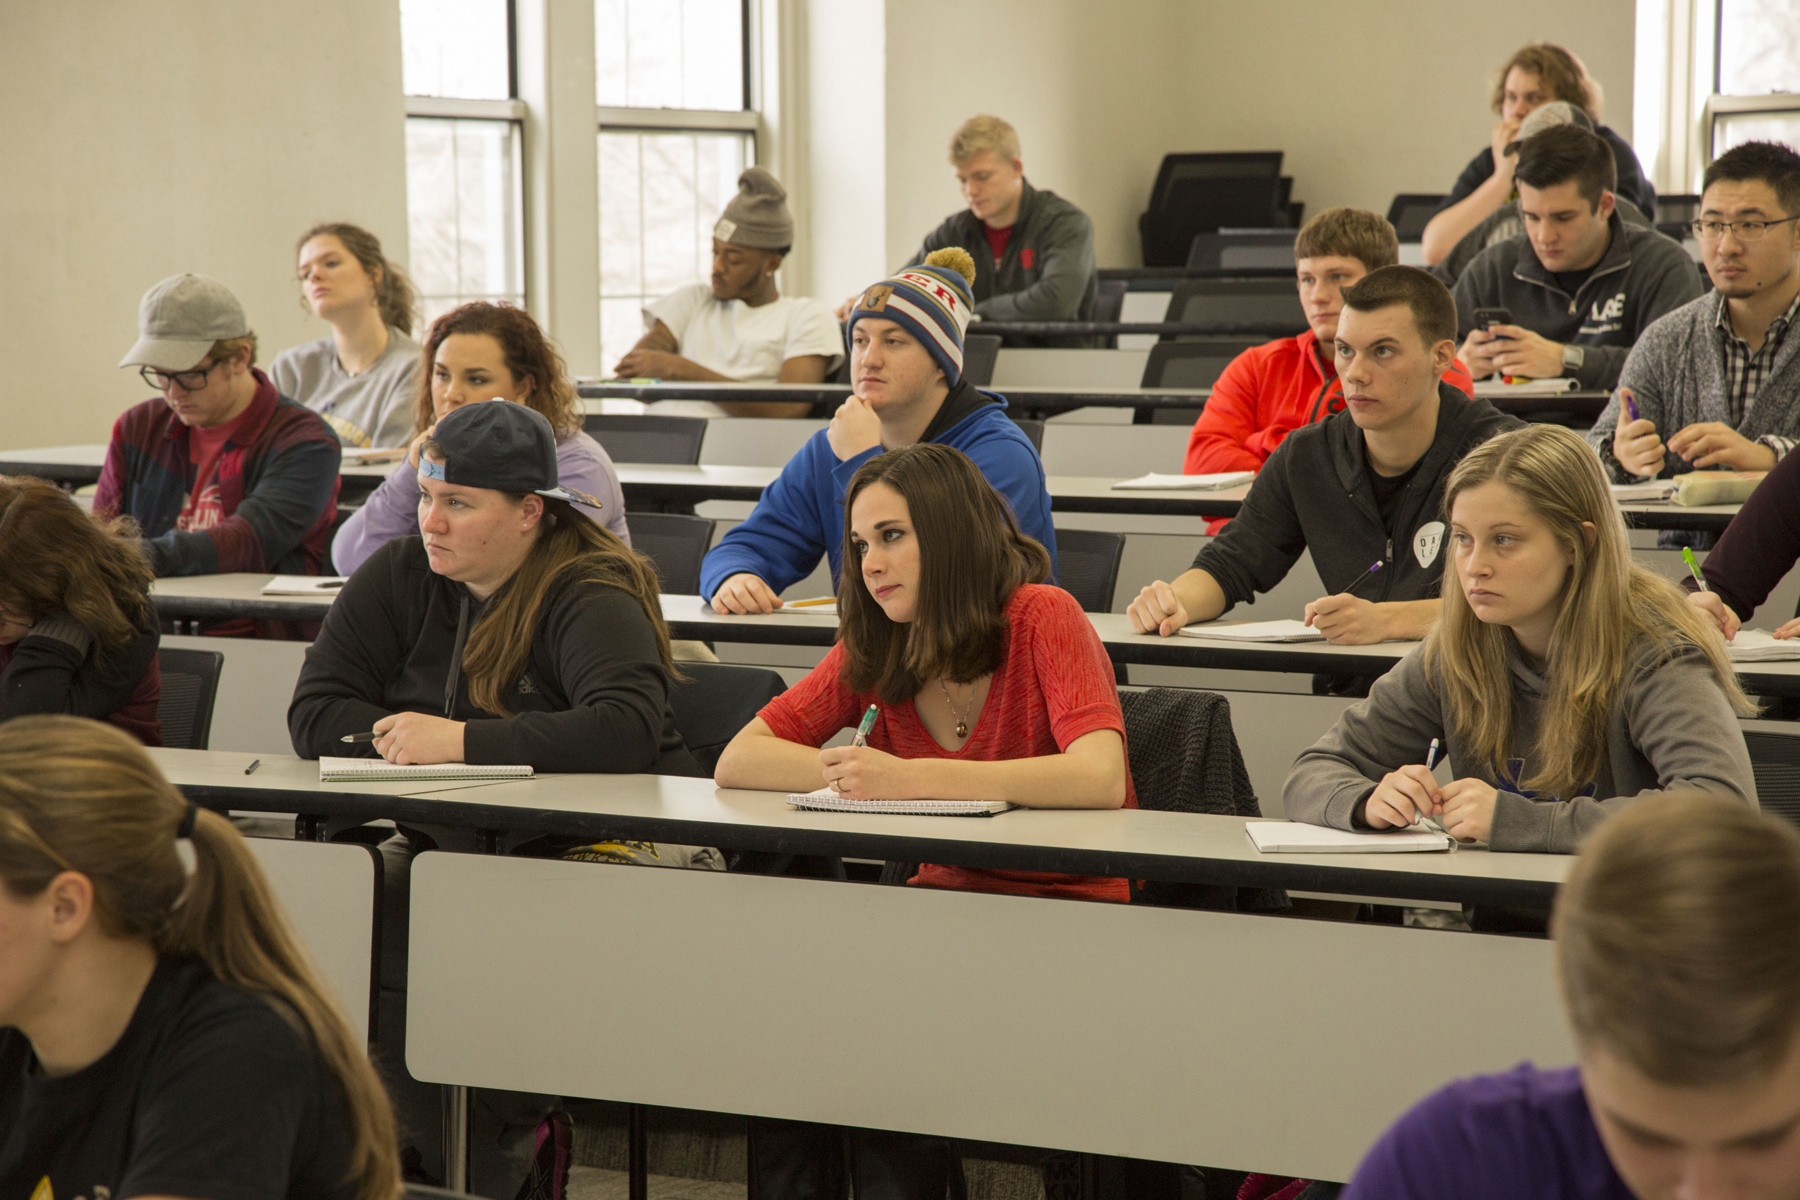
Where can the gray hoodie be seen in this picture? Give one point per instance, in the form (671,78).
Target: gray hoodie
(1671,728)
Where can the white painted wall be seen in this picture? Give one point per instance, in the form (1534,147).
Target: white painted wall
(148,138)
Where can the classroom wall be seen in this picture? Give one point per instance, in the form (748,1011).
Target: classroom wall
(159,136)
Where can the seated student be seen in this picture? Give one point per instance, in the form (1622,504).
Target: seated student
(1721,376)
(78,634)
(741,328)
(1269,391)
(222,473)
(1677,944)
(906,354)
(1534,76)
(363,377)
(516,630)
(161,1032)
(1358,488)
(990,686)
(1754,554)
(484,351)
(1563,680)
(1033,251)
(1580,283)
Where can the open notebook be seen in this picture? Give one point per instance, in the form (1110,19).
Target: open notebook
(1756,645)
(826,800)
(1185,483)
(1257,631)
(1296,837)
(375,770)
(305,585)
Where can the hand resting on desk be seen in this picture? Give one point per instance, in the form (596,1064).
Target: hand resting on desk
(744,593)
(419,739)
(1465,807)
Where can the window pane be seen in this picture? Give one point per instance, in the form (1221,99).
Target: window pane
(1759,47)
(1731,129)
(456,48)
(464,206)
(670,53)
(660,194)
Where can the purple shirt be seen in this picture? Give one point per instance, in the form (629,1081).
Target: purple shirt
(392,510)
(1522,1135)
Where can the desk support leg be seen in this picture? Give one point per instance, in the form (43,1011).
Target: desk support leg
(637,1155)
(456,1138)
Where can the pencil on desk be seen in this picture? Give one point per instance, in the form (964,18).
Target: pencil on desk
(816,600)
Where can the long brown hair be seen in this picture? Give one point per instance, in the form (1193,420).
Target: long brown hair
(1559,70)
(1612,610)
(1677,940)
(569,547)
(56,558)
(972,558)
(78,795)
(529,356)
(393,290)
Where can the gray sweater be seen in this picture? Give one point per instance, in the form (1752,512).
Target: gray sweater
(1671,728)
(1677,373)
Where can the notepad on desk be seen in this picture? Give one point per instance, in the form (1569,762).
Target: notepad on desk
(826,800)
(1297,837)
(1491,389)
(305,585)
(1257,631)
(375,770)
(1185,483)
(1756,645)
(1643,493)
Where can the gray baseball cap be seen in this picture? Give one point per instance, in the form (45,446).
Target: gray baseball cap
(179,320)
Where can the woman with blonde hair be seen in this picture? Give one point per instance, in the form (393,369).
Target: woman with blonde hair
(1563,680)
(362,378)
(78,634)
(161,1031)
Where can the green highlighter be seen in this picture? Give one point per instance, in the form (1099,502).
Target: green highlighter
(868,723)
(1687,556)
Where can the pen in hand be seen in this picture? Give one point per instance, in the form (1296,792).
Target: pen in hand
(359,737)
(868,723)
(1426,821)
(1687,556)
(1364,578)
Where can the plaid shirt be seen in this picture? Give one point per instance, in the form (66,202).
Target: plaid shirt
(1745,370)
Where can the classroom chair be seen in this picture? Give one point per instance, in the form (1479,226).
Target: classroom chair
(674,543)
(648,439)
(1410,212)
(1673,214)
(1255,251)
(980,352)
(1199,193)
(190,685)
(1775,760)
(715,701)
(1087,566)
(1269,306)
(1195,363)
(1033,430)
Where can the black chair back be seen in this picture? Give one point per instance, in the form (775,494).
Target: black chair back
(1110,303)
(1087,566)
(1775,759)
(1192,364)
(1199,193)
(715,701)
(1674,212)
(190,686)
(980,352)
(675,543)
(1411,211)
(648,439)
(1272,303)
(1033,430)
(1244,250)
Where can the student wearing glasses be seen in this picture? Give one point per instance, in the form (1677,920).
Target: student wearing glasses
(221,472)
(1716,383)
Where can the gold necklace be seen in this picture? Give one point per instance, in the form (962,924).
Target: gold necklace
(962,723)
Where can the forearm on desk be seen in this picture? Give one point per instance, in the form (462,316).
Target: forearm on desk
(1091,773)
(757,759)
(1410,620)
(1200,594)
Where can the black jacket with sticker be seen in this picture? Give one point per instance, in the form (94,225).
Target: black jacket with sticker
(1642,276)
(1047,272)
(1314,494)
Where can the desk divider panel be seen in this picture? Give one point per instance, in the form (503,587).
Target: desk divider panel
(1192,1037)
(331,894)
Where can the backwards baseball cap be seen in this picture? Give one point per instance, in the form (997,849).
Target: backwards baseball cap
(931,301)
(1546,116)
(179,320)
(500,445)
(758,215)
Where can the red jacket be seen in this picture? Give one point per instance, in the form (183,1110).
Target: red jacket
(1265,394)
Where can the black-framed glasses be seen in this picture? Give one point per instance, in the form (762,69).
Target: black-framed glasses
(190,381)
(1746,231)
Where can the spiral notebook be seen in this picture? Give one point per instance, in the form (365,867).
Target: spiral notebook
(375,770)
(826,800)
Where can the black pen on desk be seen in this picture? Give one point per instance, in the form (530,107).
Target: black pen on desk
(251,769)
(359,737)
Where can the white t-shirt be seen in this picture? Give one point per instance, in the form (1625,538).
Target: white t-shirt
(744,343)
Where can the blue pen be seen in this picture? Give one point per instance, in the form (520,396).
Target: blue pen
(1631,408)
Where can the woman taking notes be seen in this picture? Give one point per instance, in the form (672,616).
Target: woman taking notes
(160,1032)
(516,630)
(1564,679)
(77,632)
(990,685)
(485,351)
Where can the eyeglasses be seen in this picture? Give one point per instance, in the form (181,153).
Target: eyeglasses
(1746,231)
(190,381)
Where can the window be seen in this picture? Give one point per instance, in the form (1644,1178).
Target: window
(464,153)
(1756,75)
(676,128)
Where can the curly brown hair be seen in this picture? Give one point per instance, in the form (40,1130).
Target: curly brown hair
(530,356)
(56,558)
(1559,70)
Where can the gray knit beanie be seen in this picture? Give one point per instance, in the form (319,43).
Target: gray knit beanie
(758,215)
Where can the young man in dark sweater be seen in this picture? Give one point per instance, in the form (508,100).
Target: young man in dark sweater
(1363,487)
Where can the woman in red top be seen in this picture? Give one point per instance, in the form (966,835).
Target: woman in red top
(991,686)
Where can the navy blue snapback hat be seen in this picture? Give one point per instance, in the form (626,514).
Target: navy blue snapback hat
(500,445)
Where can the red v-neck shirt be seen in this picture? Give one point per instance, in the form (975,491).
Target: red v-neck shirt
(1055,685)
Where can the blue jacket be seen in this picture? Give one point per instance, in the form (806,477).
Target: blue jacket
(801,514)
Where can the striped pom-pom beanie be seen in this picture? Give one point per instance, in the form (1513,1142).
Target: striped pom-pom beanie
(931,301)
